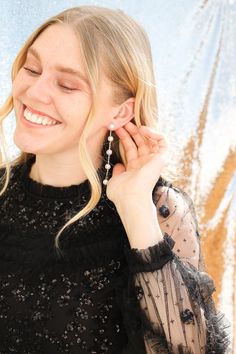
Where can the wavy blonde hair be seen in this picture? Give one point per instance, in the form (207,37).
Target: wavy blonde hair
(115,43)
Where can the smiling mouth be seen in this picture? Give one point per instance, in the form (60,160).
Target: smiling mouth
(38,119)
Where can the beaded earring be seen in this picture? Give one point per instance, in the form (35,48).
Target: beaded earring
(108,153)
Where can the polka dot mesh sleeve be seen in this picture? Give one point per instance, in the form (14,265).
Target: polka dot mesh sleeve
(171,289)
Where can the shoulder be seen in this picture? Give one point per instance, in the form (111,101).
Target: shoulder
(166,193)
(9,175)
(176,217)
(173,202)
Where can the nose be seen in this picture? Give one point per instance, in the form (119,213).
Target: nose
(40,90)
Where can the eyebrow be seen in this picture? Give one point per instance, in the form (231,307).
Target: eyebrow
(60,68)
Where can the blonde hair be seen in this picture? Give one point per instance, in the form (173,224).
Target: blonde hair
(112,42)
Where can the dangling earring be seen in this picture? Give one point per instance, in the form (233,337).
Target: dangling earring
(109,153)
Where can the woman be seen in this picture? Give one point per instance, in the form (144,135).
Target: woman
(99,253)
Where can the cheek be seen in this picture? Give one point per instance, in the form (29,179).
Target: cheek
(18,85)
(75,111)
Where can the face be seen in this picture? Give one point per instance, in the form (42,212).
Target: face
(52,97)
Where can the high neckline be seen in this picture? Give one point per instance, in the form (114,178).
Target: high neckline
(45,191)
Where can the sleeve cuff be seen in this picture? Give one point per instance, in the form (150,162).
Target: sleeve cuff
(151,258)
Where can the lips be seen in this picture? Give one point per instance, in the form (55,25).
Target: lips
(39,113)
(32,125)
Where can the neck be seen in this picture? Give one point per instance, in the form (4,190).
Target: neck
(59,170)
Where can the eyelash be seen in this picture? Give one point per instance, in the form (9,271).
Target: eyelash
(32,72)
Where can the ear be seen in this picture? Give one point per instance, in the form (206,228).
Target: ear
(125,113)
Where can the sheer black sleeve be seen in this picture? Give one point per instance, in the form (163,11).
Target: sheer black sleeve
(174,309)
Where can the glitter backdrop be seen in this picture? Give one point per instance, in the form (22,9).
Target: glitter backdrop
(194,49)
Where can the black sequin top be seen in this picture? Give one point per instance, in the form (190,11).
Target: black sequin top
(97,296)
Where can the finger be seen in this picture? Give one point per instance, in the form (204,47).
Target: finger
(151,133)
(118,169)
(155,138)
(129,145)
(140,141)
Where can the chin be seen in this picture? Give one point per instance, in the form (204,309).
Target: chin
(25,145)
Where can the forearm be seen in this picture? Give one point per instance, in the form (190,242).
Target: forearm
(140,222)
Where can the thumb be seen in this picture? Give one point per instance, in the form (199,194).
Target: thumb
(118,169)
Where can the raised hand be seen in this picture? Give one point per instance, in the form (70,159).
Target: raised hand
(145,155)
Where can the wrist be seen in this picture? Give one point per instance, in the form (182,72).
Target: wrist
(137,201)
(140,221)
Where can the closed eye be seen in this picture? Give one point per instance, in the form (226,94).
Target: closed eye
(67,88)
(31,71)
(35,73)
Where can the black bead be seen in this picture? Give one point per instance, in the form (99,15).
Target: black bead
(187,316)
(164,211)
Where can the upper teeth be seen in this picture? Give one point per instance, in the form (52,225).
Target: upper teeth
(38,119)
